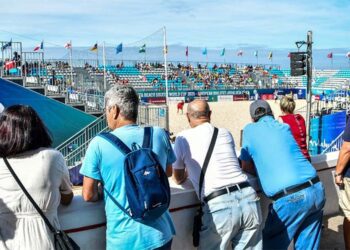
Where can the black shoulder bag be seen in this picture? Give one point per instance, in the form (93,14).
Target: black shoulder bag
(197,221)
(61,240)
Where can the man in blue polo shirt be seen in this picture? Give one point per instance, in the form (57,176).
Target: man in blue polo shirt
(104,163)
(342,179)
(287,178)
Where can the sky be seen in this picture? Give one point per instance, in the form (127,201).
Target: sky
(232,24)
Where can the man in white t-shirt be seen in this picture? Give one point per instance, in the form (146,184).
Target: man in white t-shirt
(231,207)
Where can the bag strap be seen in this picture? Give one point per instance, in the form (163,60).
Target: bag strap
(37,208)
(116,142)
(206,161)
(147,138)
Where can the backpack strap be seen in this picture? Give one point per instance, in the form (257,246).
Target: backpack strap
(116,142)
(147,138)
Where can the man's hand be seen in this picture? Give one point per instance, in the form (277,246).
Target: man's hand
(339,180)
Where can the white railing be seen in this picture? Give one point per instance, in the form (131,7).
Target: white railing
(335,145)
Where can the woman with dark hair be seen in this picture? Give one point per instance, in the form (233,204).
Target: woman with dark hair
(25,142)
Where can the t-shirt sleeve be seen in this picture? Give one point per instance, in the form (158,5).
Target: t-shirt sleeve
(245,154)
(169,149)
(65,185)
(346,135)
(91,162)
(179,163)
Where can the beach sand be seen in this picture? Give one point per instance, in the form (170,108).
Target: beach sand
(231,115)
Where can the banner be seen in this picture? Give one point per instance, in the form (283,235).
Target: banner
(324,129)
(197,93)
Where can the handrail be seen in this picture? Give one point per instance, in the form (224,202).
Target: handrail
(335,144)
(74,148)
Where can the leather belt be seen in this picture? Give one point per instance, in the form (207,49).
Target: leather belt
(226,190)
(288,191)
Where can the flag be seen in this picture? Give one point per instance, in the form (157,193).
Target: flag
(240,53)
(256,53)
(330,55)
(142,49)
(289,54)
(94,48)
(187,51)
(6,45)
(119,48)
(222,52)
(348,55)
(39,46)
(68,45)
(205,52)
(270,55)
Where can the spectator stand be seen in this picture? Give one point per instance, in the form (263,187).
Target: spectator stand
(33,68)
(11,59)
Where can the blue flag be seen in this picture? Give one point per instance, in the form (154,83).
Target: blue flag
(119,48)
(204,52)
(6,45)
(222,52)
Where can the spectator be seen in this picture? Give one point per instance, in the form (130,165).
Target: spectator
(180,106)
(231,207)
(342,179)
(25,142)
(287,178)
(296,123)
(104,163)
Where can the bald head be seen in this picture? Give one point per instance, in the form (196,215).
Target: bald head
(198,110)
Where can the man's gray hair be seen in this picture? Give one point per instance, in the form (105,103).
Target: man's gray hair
(125,98)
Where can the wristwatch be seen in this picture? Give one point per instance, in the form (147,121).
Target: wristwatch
(337,174)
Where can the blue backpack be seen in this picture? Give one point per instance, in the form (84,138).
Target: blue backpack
(146,183)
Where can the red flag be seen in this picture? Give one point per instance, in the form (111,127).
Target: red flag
(68,45)
(330,55)
(289,54)
(39,46)
(187,51)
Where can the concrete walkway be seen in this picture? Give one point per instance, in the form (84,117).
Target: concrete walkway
(332,234)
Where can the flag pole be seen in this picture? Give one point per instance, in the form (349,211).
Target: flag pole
(97,55)
(71,62)
(165,66)
(104,67)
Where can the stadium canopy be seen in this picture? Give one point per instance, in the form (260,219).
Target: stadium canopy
(61,120)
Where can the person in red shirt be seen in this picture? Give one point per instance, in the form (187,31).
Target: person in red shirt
(180,106)
(296,123)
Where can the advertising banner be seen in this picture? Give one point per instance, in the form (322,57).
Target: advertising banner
(324,129)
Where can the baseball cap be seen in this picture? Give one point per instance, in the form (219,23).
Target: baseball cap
(259,104)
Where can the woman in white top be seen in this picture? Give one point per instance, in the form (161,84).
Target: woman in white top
(26,143)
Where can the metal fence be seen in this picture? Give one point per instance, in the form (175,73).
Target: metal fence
(75,147)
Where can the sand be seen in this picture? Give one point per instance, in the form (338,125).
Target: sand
(231,115)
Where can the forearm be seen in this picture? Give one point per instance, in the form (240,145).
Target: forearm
(343,159)
(179,176)
(92,190)
(66,199)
